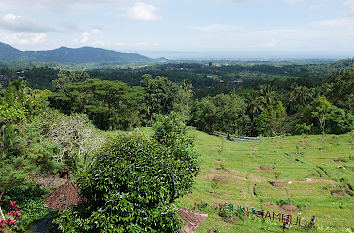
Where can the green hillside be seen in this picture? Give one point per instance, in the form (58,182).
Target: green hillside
(71,56)
(305,176)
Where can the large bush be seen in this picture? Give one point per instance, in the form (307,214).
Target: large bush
(338,121)
(270,121)
(73,137)
(132,185)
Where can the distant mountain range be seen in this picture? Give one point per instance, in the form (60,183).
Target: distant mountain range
(70,56)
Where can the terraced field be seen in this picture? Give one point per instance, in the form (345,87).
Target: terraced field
(303,176)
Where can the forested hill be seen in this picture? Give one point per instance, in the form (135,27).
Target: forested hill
(70,56)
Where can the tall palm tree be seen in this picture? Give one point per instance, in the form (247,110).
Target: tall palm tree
(267,94)
(255,105)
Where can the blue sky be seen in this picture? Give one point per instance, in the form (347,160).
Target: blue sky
(212,28)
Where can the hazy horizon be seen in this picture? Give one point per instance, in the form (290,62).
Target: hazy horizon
(228,55)
(252,28)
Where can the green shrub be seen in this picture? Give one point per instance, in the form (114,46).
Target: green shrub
(32,210)
(338,121)
(131,187)
(283,201)
(302,129)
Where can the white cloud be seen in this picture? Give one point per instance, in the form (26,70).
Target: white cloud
(38,37)
(143,12)
(218,28)
(338,22)
(142,44)
(85,36)
(22,38)
(40,5)
(349,8)
(16,23)
(317,6)
(344,23)
(270,44)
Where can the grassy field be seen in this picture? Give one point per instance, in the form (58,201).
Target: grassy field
(313,175)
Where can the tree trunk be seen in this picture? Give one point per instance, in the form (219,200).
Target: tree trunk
(2,217)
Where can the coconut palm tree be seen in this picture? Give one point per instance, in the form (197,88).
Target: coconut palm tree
(267,94)
(255,105)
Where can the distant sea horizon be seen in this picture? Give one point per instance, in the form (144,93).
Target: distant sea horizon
(244,55)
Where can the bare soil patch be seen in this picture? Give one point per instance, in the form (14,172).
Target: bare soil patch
(289,208)
(304,144)
(219,179)
(219,194)
(215,230)
(321,149)
(243,191)
(49,181)
(264,168)
(219,160)
(230,219)
(244,176)
(256,178)
(253,150)
(338,193)
(270,204)
(191,219)
(276,183)
(222,169)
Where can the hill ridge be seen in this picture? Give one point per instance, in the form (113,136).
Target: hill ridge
(71,56)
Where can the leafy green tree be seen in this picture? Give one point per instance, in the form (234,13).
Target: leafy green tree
(160,95)
(223,112)
(78,76)
(318,110)
(342,86)
(109,104)
(183,102)
(338,121)
(170,131)
(230,109)
(59,83)
(270,121)
(298,97)
(14,171)
(65,77)
(173,134)
(302,129)
(203,115)
(18,102)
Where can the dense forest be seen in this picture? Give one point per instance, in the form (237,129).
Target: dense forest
(56,118)
(246,99)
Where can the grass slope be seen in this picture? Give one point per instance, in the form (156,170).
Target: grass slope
(233,171)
